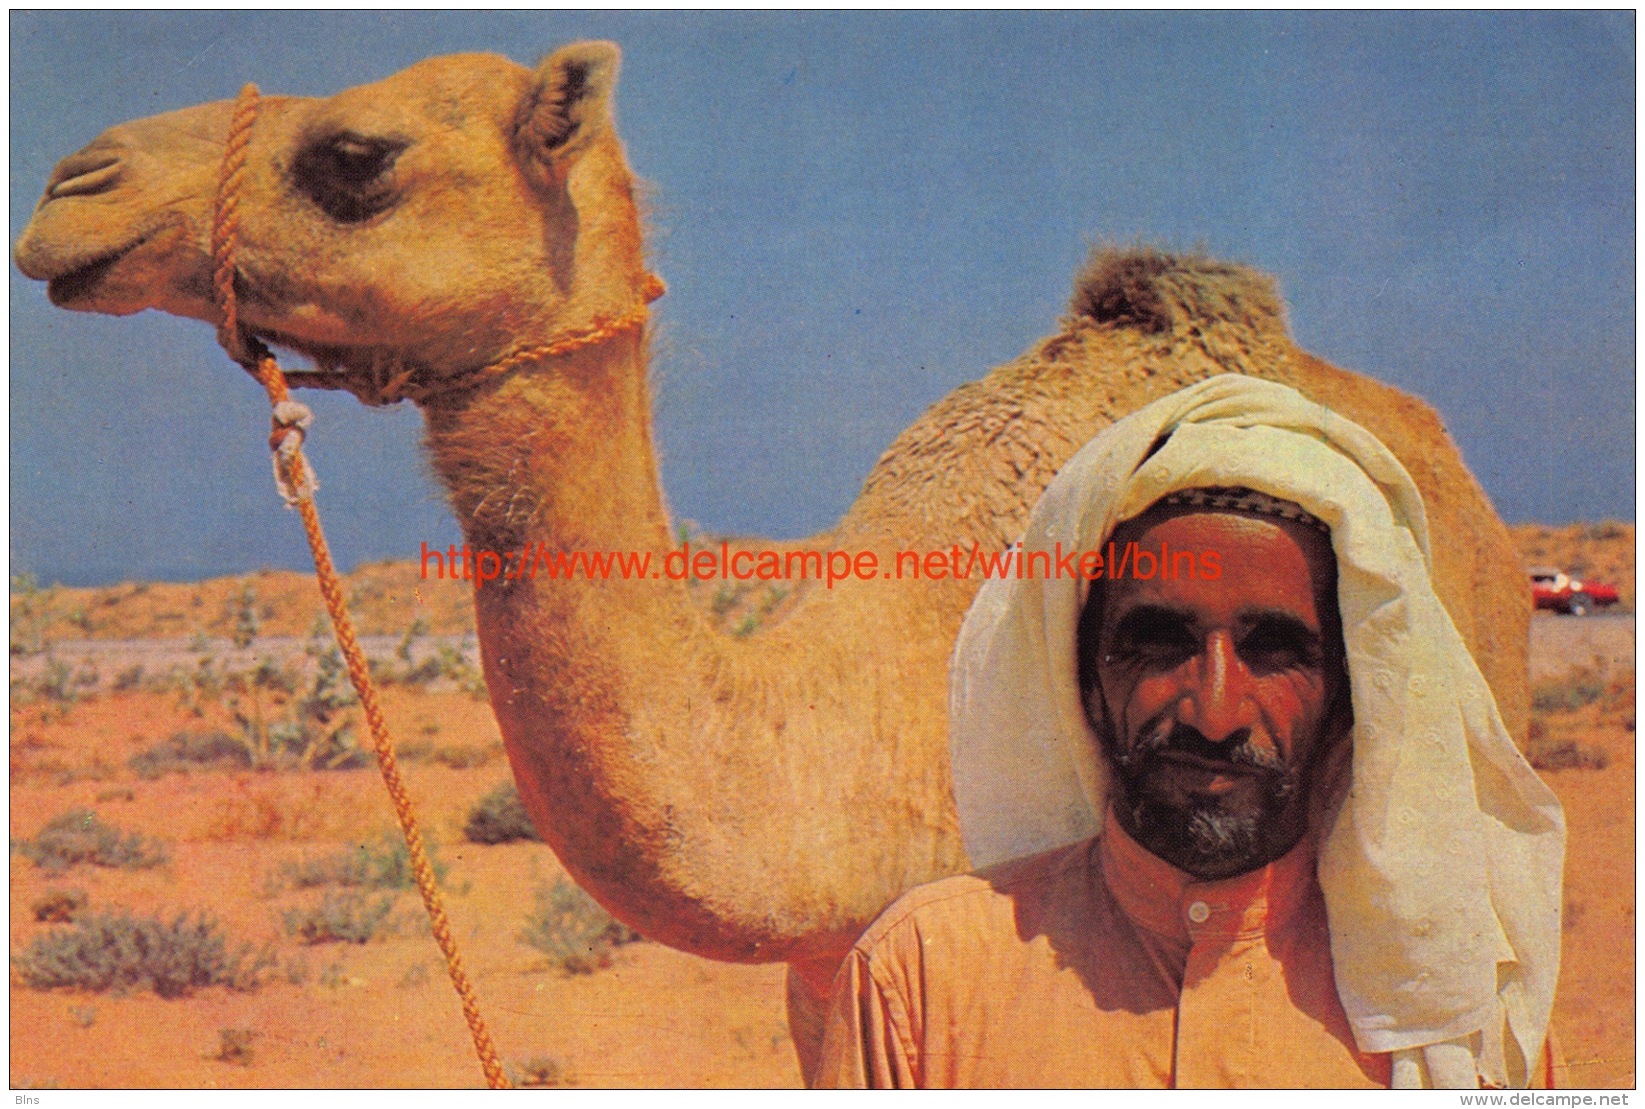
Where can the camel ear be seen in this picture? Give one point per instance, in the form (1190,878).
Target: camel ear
(569,104)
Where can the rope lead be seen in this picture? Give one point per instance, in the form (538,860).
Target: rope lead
(297,485)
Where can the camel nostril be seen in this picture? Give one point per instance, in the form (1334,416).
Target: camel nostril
(84,174)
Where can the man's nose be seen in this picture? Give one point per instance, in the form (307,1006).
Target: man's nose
(1217,701)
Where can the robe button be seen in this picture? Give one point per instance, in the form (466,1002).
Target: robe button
(1199,912)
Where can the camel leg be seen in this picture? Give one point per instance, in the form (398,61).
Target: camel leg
(809,986)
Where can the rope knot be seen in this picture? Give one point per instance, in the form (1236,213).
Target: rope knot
(293,476)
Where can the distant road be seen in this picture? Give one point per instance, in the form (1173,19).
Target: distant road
(1561,642)
(1557,643)
(106,658)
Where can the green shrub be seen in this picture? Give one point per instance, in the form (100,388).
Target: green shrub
(340,918)
(499,817)
(81,837)
(385,864)
(573,930)
(115,950)
(189,750)
(1568,693)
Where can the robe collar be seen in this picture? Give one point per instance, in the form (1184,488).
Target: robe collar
(1176,905)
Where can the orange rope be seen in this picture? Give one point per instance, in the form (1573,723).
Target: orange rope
(296,478)
(574,339)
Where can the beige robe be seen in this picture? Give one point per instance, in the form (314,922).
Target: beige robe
(1098,965)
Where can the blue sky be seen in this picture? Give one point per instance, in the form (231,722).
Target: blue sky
(857,212)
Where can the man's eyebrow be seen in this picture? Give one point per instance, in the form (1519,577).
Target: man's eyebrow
(1288,621)
(1152,614)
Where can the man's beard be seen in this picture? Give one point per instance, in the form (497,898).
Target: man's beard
(1207,836)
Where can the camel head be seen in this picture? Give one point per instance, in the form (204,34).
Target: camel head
(432,220)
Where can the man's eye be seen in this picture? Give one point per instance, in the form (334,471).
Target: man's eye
(1154,638)
(346,175)
(1279,645)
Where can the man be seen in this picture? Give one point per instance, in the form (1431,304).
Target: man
(1298,847)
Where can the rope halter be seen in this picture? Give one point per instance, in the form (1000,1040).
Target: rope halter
(375,389)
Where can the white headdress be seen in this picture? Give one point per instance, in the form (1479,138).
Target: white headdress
(1442,866)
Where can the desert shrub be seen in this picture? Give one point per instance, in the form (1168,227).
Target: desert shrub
(573,930)
(1545,753)
(128,679)
(540,1072)
(81,837)
(58,906)
(385,864)
(414,750)
(463,758)
(499,817)
(418,629)
(115,950)
(314,734)
(447,662)
(1568,692)
(350,917)
(243,612)
(28,616)
(56,682)
(1607,529)
(234,1046)
(297,971)
(190,750)
(725,597)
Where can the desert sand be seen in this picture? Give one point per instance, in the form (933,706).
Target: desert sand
(381,1013)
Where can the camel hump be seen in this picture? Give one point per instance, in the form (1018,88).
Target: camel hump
(1157,292)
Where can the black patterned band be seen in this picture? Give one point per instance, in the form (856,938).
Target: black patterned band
(1236,499)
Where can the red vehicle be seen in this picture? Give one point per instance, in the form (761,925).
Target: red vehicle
(1551,588)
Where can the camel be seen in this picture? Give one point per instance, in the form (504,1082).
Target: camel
(754,799)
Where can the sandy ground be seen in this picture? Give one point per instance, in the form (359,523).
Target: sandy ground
(382,1013)
(1561,643)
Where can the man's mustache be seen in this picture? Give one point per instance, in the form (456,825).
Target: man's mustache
(1166,735)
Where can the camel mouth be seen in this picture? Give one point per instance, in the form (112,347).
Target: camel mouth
(79,285)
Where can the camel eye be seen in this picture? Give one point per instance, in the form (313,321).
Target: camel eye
(346,175)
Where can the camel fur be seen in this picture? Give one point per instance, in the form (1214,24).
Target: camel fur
(748,799)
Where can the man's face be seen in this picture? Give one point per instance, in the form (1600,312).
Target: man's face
(1215,698)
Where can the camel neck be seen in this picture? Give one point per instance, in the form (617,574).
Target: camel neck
(559,455)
